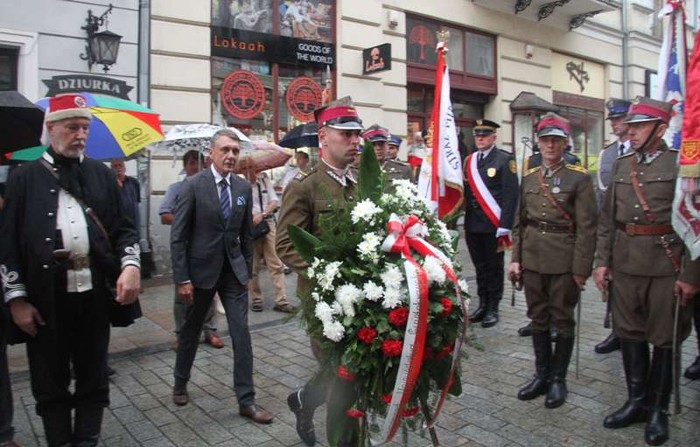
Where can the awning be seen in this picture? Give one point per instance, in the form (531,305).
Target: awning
(563,13)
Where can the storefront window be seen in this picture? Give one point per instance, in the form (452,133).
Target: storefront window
(586,135)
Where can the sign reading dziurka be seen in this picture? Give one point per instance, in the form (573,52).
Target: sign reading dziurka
(87,83)
(376,58)
(229,42)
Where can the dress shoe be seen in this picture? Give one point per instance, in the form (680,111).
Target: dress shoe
(610,344)
(257,306)
(693,371)
(525,331)
(256,413)
(284,307)
(478,315)
(213,340)
(287,270)
(180,396)
(305,419)
(490,319)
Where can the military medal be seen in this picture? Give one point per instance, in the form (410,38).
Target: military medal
(556,190)
(491,172)
(556,181)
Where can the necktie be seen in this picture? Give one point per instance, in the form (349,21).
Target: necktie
(481,157)
(225,199)
(621,149)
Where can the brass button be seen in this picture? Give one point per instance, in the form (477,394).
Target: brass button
(544,203)
(50,214)
(636,206)
(636,218)
(544,214)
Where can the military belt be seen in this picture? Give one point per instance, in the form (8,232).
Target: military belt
(62,259)
(631,229)
(550,227)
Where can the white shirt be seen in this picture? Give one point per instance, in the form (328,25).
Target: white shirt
(267,191)
(71,220)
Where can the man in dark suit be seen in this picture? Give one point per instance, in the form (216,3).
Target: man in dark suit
(491,196)
(212,251)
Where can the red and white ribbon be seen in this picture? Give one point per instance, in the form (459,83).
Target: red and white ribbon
(404,236)
(486,200)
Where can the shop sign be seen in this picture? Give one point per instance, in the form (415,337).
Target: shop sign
(243,94)
(376,59)
(234,43)
(578,76)
(303,96)
(87,83)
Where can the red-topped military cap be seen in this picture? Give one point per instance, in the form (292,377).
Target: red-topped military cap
(339,114)
(554,125)
(376,134)
(69,105)
(647,109)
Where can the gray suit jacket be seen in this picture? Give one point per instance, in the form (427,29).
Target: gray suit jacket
(200,240)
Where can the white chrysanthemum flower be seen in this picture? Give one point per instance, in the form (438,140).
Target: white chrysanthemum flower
(337,308)
(392,277)
(364,211)
(369,247)
(373,291)
(433,268)
(405,190)
(316,296)
(311,270)
(392,298)
(463,285)
(324,312)
(330,273)
(334,331)
(347,295)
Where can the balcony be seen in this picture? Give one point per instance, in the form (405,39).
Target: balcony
(561,13)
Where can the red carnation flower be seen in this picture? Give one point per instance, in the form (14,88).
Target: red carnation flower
(444,352)
(344,373)
(410,411)
(392,348)
(399,316)
(386,398)
(355,413)
(367,335)
(446,307)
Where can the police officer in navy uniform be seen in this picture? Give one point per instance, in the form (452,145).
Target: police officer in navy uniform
(617,112)
(497,170)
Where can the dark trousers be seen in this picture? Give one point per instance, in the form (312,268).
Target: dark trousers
(234,297)
(488,264)
(7,432)
(78,333)
(551,299)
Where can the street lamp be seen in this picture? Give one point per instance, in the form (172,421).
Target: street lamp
(102,47)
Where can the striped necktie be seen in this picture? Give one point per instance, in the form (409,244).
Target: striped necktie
(225,199)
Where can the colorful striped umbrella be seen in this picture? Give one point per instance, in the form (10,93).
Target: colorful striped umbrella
(119,128)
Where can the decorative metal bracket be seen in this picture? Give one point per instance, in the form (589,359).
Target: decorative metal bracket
(580,19)
(548,8)
(92,24)
(522,5)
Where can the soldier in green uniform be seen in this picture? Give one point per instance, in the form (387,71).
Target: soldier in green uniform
(638,248)
(394,169)
(306,198)
(553,246)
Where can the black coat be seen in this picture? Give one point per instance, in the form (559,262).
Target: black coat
(499,174)
(28,232)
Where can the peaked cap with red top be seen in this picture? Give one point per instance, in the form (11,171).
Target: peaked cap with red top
(552,124)
(647,109)
(339,114)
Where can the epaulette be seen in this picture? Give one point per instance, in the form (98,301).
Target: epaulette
(301,175)
(670,149)
(576,168)
(531,170)
(399,162)
(626,155)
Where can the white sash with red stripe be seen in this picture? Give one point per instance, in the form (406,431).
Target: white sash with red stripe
(481,192)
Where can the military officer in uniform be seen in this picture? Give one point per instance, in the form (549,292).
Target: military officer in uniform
(394,169)
(305,200)
(617,111)
(393,149)
(648,264)
(491,196)
(554,243)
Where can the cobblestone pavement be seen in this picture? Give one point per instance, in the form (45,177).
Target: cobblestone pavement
(488,413)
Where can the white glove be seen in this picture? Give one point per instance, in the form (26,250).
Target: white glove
(503,232)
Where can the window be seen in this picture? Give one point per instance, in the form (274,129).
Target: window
(8,68)
(586,135)
(480,54)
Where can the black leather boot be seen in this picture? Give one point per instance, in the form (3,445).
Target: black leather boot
(656,431)
(480,311)
(491,316)
(88,424)
(693,371)
(543,356)
(57,427)
(635,360)
(526,331)
(304,416)
(610,344)
(556,396)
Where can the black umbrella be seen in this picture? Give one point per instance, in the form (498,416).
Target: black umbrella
(21,122)
(304,135)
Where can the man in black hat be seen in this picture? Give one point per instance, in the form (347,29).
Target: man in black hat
(491,197)
(617,112)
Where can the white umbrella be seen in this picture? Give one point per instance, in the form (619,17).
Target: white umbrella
(182,137)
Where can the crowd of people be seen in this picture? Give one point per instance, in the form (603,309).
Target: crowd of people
(70,256)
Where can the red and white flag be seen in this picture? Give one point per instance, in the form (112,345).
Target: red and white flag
(440,180)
